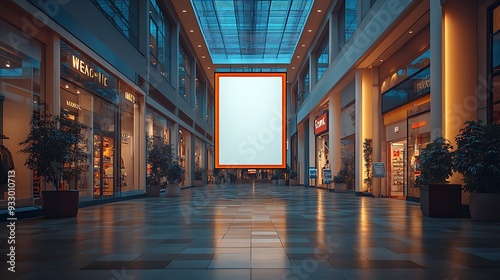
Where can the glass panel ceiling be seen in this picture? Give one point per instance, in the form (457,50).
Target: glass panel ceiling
(251,31)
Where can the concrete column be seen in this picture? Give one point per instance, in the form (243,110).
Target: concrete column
(312,147)
(436,48)
(460,74)
(301,153)
(377,129)
(363,96)
(334,131)
(53,97)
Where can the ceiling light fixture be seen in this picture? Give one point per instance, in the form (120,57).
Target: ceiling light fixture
(298,56)
(310,30)
(411,32)
(208,67)
(66,86)
(202,56)
(319,11)
(77,92)
(199,46)
(7,64)
(184,11)
(191,30)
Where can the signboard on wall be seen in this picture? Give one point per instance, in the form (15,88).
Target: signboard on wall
(250,120)
(321,124)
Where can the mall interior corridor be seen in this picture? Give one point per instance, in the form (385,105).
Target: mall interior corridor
(256,231)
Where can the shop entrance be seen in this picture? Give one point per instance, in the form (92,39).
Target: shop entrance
(104,177)
(397,176)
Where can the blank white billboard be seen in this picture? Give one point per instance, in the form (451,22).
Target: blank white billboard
(250,120)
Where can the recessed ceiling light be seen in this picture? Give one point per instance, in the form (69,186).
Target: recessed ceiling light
(66,86)
(7,64)
(410,31)
(208,67)
(381,60)
(191,30)
(303,45)
(184,11)
(77,91)
(293,67)
(199,46)
(310,30)
(319,11)
(298,56)
(202,56)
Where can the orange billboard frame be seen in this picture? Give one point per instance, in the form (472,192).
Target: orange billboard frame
(218,164)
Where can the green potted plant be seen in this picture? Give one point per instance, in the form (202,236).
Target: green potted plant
(217,175)
(293,177)
(437,197)
(477,158)
(368,158)
(340,181)
(175,174)
(198,175)
(275,177)
(55,149)
(159,156)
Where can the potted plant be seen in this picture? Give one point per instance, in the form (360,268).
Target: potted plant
(175,174)
(54,146)
(275,177)
(198,175)
(437,197)
(340,181)
(293,177)
(283,174)
(477,158)
(217,175)
(159,156)
(368,158)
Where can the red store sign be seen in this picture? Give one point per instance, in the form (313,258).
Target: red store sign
(321,124)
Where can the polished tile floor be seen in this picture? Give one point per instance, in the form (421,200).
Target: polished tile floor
(254,231)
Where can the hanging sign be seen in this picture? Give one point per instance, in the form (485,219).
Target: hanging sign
(321,124)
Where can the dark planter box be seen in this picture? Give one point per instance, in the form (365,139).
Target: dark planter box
(441,200)
(60,204)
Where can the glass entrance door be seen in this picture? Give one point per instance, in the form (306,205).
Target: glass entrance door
(106,166)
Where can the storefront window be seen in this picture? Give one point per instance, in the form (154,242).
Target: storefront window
(21,75)
(157,125)
(418,137)
(77,103)
(322,156)
(494,105)
(130,123)
(198,153)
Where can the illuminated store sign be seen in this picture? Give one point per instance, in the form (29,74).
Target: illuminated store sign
(418,124)
(321,124)
(73,105)
(130,97)
(87,70)
(422,84)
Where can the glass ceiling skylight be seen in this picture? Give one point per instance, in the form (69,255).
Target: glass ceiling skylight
(251,31)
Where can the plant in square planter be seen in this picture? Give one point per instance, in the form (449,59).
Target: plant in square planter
(175,174)
(293,178)
(217,175)
(438,198)
(477,158)
(55,149)
(275,177)
(159,156)
(198,175)
(340,181)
